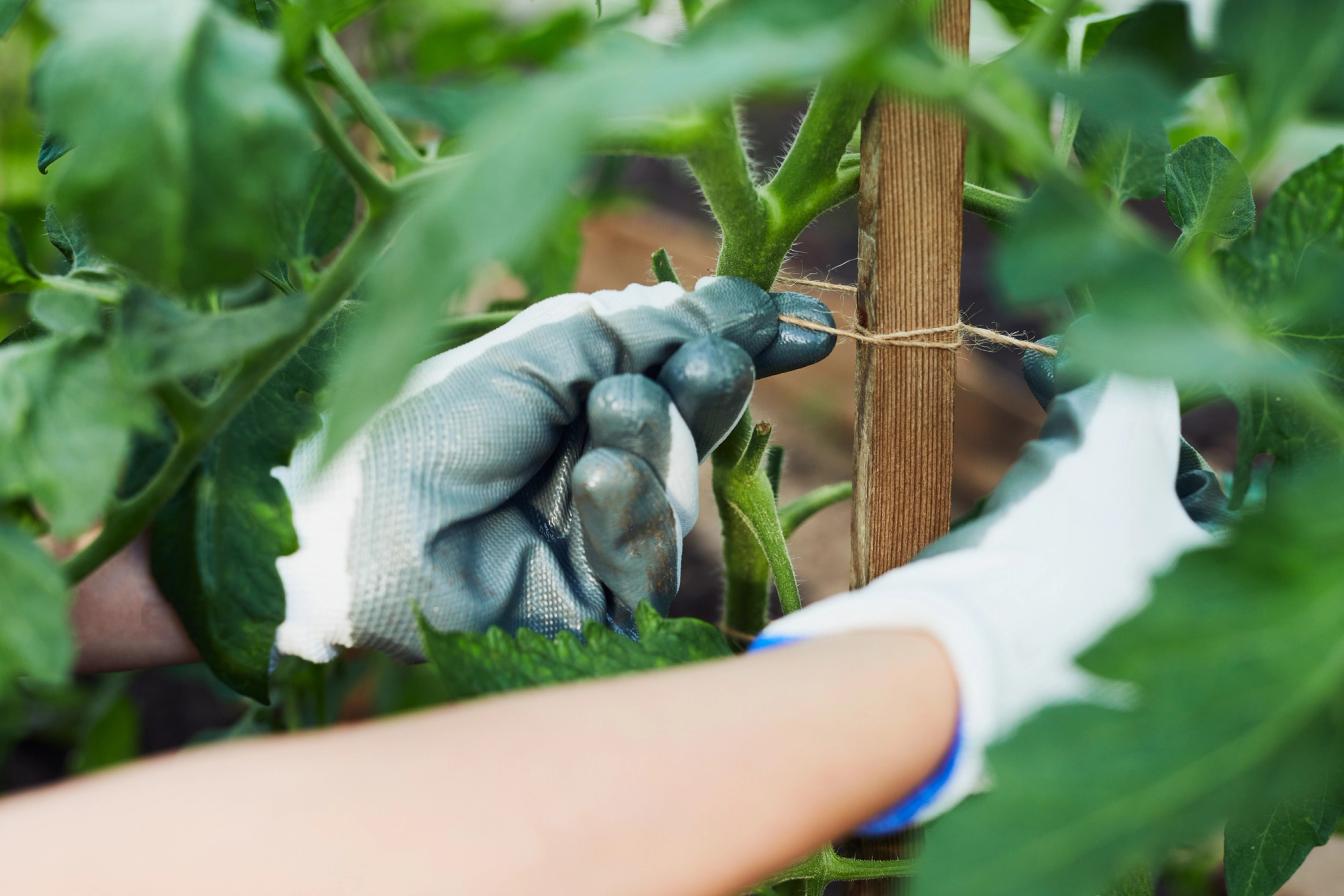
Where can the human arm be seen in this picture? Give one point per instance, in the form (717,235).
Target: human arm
(701,779)
(120,620)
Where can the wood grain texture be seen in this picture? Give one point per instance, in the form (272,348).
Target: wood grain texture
(909,277)
(912,166)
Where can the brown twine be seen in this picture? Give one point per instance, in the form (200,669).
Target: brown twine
(961,332)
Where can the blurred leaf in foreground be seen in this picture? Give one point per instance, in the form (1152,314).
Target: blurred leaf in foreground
(520,157)
(34,601)
(184,135)
(1253,631)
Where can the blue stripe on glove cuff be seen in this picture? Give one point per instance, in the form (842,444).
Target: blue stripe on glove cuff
(902,814)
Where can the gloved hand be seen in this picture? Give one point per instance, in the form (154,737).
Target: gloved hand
(537,477)
(1063,551)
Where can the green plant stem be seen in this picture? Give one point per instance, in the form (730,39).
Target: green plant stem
(1068,130)
(97,291)
(404,157)
(661,137)
(184,407)
(827,865)
(760,225)
(796,512)
(1245,464)
(128,518)
(746,589)
(753,542)
(377,191)
(725,175)
(458,330)
(663,271)
(806,183)
(991,204)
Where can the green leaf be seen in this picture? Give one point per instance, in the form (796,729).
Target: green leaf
(1060,241)
(73,314)
(509,183)
(35,638)
(1067,238)
(478,39)
(1019,15)
(67,410)
(549,266)
(336,14)
(112,736)
(1233,670)
(160,340)
(1136,883)
(1207,191)
(446,107)
(10,10)
(1288,272)
(215,543)
(1156,37)
(472,664)
(1129,160)
(1285,54)
(69,238)
(179,116)
(321,220)
(1263,849)
(16,273)
(52,148)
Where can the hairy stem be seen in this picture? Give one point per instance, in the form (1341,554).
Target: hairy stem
(659,137)
(808,174)
(759,226)
(746,574)
(990,204)
(404,157)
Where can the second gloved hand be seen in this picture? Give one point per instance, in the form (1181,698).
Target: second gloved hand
(1105,499)
(542,476)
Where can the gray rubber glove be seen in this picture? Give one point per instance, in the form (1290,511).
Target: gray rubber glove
(542,476)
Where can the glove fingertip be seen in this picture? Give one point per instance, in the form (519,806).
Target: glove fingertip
(630,531)
(796,346)
(1038,369)
(710,381)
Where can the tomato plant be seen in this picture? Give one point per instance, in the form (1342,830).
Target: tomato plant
(245,229)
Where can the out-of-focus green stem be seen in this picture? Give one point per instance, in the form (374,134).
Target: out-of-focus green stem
(991,204)
(405,158)
(796,512)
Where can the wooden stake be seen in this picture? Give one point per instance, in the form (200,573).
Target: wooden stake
(912,161)
(909,277)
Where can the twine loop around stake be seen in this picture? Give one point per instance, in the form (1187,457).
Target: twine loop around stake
(961,333)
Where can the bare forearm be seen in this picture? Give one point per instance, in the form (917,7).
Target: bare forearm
(121,621)
(695,780)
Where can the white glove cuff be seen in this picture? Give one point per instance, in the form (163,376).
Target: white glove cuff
(962,772)
(318,586)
